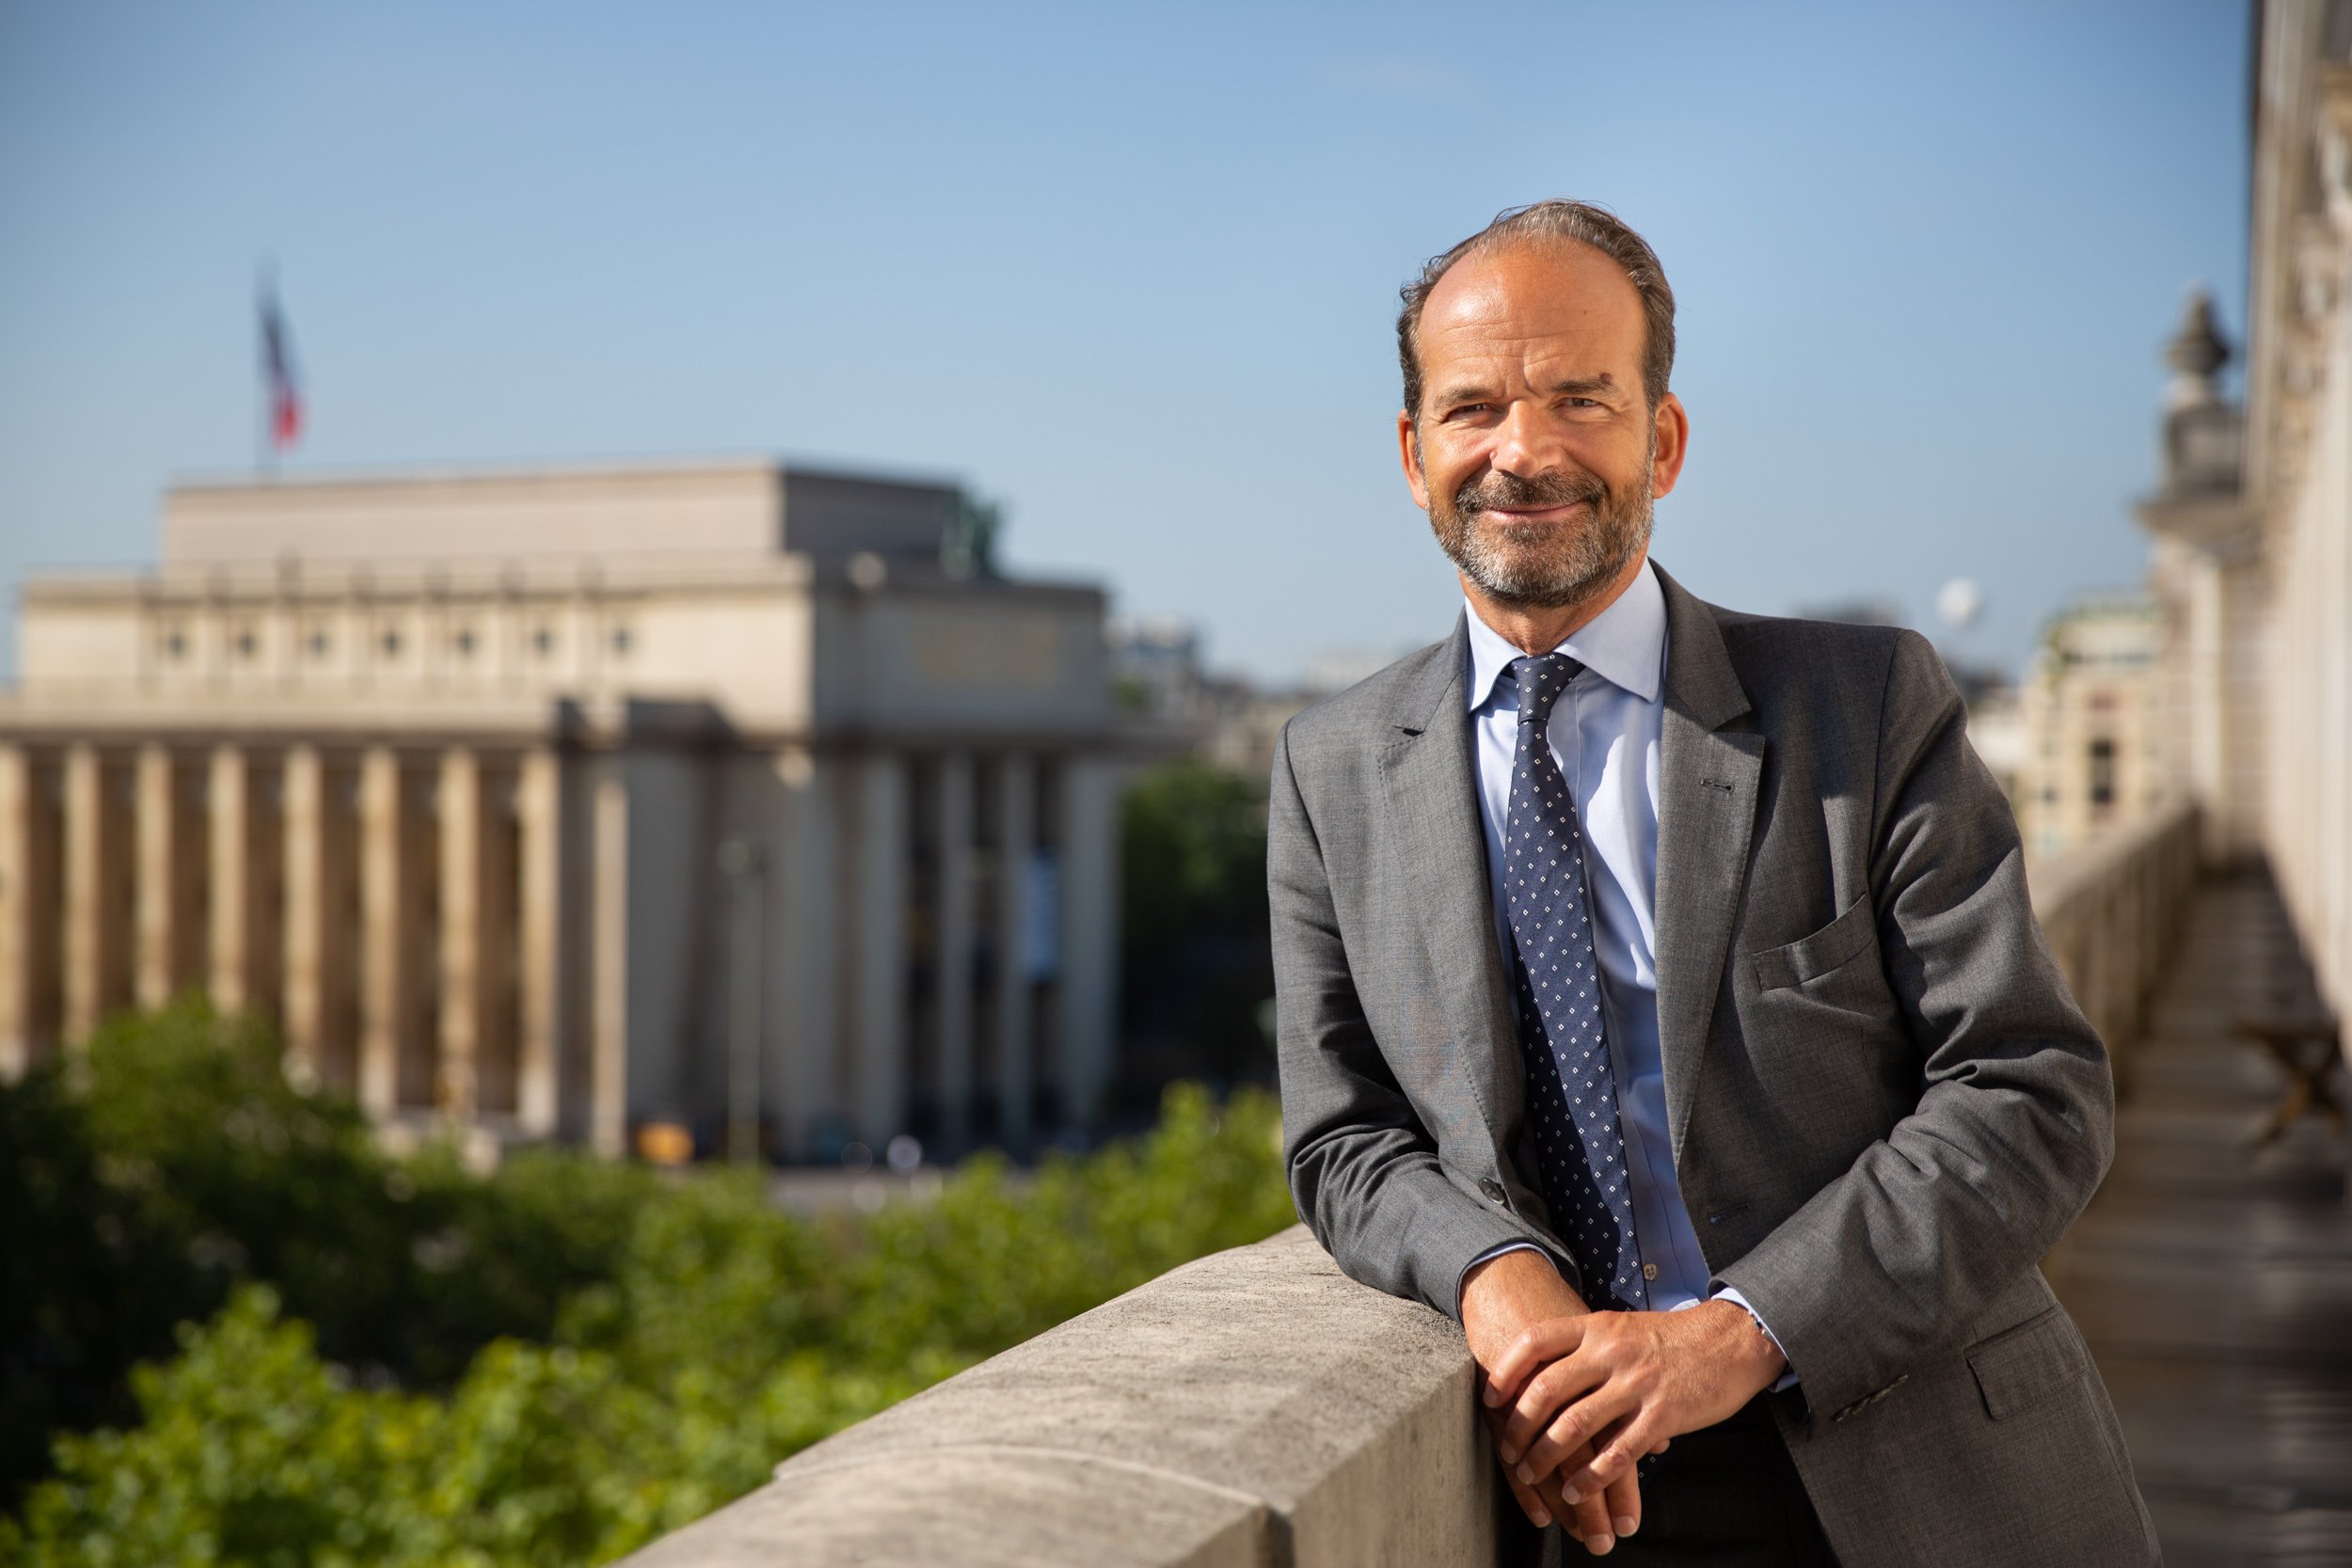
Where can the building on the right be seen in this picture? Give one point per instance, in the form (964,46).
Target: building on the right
(2252,515)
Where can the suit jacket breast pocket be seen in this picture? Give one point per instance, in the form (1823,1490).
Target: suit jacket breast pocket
(1835,947)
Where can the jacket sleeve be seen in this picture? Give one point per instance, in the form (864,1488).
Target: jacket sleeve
(1363,1170)
(2014,1128)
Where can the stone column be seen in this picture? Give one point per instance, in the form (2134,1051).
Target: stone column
(465,938)
(539,811)
(387,989)
(96,936)
(879,958)
(318,966)
(954,948)
(245,857)
(29,856)
(1089,861)
(608,968)
(805,1085)
(1016,824)
(171,879)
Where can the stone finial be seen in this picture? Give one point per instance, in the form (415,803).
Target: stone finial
(2197,352)
(2203,434)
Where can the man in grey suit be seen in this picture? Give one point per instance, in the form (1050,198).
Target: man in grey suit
(1659,995)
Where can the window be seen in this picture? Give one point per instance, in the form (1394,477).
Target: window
(247,643)
(2102,774)
(390,641)
(175,644)
(544,640)
(620,642)
(318,642)
(465,642)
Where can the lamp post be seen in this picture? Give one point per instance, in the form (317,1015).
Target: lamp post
(743,862)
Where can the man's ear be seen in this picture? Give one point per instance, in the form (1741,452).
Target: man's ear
(1670,443)
(1408,450)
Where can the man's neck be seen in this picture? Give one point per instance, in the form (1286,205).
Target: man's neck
(1538,630)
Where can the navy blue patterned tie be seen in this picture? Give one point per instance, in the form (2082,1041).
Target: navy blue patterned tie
(1571,1089)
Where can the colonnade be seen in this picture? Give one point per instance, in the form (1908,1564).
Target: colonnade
(389,908)
(528,937)
(950,919)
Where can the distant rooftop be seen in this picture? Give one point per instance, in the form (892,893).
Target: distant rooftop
(746,509)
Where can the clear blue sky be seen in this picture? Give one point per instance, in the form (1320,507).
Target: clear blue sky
(1131,269)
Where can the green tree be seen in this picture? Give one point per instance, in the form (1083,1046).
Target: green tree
(1196,951)
(171,1160)
(682,1334)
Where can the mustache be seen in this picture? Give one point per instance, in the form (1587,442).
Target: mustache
(1544,490)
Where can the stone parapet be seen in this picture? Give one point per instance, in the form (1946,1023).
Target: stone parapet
(1254,1407)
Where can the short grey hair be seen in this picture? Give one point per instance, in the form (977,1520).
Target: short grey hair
(1578,222)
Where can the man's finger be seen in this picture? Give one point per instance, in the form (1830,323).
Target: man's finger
(1589,1522)
(1565,1438)
(1614,1455)
(1624,1499)
(1537,1343)
(1547,1392)
(1530,1503)
(1541,1506)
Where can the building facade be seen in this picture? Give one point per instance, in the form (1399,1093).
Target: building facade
(558,804)
(2252,522)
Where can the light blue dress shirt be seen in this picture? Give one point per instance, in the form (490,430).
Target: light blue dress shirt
(1604,734)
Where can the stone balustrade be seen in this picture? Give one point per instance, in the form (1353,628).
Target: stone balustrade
(1257,1407)
(2112,910)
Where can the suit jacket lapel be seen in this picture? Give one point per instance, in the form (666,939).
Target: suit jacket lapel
(1430,797)
(1708,791)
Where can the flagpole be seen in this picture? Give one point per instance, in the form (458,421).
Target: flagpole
(263,468)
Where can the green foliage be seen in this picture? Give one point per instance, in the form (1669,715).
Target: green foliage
(1196,955)
(172,1160)
(679,1337)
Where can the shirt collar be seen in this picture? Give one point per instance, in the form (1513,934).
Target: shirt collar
(1625,645)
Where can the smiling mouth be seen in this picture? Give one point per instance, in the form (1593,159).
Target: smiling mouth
(1533,514)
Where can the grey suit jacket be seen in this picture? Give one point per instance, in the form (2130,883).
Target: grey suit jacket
(1884,1105)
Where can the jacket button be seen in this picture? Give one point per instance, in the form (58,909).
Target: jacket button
(1492,1188)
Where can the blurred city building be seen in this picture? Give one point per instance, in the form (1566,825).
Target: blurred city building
(524,800)
(1229,721)
(2092,725)
(2252,518)
(1996,728)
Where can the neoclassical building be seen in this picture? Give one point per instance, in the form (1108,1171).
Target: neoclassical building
(2252,520)
(557,804)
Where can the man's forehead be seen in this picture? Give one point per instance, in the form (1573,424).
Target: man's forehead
(1561,297)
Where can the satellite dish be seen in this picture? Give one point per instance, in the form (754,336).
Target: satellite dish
(1959,602)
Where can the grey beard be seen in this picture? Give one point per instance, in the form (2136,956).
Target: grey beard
(1548,565)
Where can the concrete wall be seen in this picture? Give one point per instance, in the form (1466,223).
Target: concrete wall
(1255,1407)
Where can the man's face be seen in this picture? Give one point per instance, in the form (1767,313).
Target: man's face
(1535,453)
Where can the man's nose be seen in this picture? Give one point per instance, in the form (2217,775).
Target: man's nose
(1526,444)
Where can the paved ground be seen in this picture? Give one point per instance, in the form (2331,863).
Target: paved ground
(2215,1280)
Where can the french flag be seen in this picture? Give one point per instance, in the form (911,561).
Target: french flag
(277,374)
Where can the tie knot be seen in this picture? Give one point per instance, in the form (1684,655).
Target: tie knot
(1540,683)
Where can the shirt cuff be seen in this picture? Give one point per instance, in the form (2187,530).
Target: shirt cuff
(1788,1378)
(1497,1252)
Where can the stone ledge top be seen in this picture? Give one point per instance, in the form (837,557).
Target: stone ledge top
(1193,1421)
